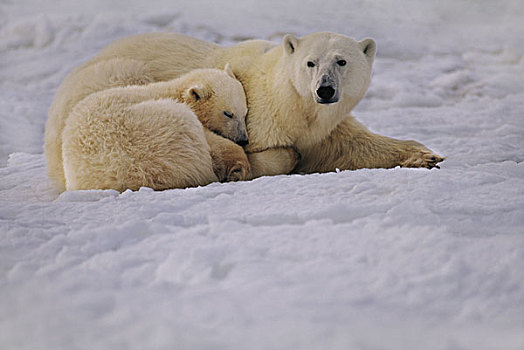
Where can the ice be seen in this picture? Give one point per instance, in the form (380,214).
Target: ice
(366,259)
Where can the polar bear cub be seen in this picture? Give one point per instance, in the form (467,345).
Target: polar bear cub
(180,133)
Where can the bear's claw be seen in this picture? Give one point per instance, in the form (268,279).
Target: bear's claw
(421,158)
(238,172)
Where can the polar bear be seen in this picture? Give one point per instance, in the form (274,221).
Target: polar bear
(300,95)
(172,134)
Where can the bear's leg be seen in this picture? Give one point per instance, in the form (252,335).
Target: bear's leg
(351,146)
(273,161)
(230,163)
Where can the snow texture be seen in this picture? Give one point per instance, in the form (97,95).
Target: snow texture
(367,259)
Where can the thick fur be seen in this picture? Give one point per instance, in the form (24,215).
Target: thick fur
(157,135)
(287,116)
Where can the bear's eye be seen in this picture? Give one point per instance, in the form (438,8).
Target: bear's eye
(228,114)
(310,64)
(341,63)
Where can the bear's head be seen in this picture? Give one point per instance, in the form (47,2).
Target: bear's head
(219,101)
(329,67)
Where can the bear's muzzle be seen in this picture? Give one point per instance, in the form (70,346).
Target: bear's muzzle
(326,92)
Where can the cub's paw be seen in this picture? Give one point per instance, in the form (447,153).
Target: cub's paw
(418,156)
(231,164)
(238,171)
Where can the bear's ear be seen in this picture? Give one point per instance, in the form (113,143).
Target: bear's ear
(290,43)
(369,48)
(229,71)
(198,93)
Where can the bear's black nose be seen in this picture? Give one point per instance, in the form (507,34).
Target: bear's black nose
(243,142)
(325,92)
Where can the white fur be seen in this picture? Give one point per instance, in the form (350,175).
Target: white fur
(126,138)
(284,113)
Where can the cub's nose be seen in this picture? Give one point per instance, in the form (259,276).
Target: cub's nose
(325,92)
(243,142)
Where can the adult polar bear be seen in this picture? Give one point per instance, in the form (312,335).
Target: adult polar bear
(300,95)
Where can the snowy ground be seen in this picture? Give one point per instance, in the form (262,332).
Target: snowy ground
(369,259)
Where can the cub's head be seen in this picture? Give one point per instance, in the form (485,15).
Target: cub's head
(329,67)
(219,102)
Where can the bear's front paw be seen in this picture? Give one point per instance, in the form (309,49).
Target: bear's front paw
(418,156)
(231,164)
(239,171)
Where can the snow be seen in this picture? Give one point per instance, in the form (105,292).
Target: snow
(367,259)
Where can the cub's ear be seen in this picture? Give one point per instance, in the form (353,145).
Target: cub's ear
(229,71)
(369,48)
(290,43)
(198,93)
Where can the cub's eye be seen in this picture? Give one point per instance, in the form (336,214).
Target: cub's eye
(228,114)
(310,64)
(341,62)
